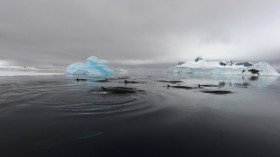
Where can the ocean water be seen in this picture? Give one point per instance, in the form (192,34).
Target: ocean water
(195,115)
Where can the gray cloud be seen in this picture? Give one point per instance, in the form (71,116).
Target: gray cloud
(59,32)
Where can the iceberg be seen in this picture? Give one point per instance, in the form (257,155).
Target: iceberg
(201,66)
(93,67)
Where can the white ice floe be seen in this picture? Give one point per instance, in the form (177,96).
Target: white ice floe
(224,67)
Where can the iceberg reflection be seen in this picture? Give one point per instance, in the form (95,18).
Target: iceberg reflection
(224,80)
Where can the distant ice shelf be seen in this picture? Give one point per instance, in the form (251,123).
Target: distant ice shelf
(201,66)
(18,68)
(25,71)
(93,67)
(21,73)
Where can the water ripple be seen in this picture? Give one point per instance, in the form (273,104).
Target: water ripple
(69,97)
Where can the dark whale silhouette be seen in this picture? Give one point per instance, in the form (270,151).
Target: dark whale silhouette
(119,90)
(216,91)
(208,85)
(173,82)
(125,81)
(80,79)
(180,87)
(243,71)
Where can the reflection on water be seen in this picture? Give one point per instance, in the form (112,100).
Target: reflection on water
(157,115)
(225,80)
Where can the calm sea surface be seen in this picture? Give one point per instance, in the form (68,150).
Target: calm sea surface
(228,116)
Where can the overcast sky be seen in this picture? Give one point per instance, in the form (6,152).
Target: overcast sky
(60,32)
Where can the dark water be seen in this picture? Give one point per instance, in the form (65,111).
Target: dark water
(58,116)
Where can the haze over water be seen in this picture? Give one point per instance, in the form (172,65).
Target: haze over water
(60,116)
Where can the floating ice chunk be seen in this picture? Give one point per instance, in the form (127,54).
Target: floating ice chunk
(94,67)
(224,67)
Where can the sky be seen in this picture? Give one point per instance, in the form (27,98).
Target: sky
(60,32)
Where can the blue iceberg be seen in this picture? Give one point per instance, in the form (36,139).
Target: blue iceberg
(93,67)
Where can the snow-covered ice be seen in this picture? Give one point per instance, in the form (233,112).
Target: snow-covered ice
(24,71)
(20,73)
(224,67)
(93,67)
